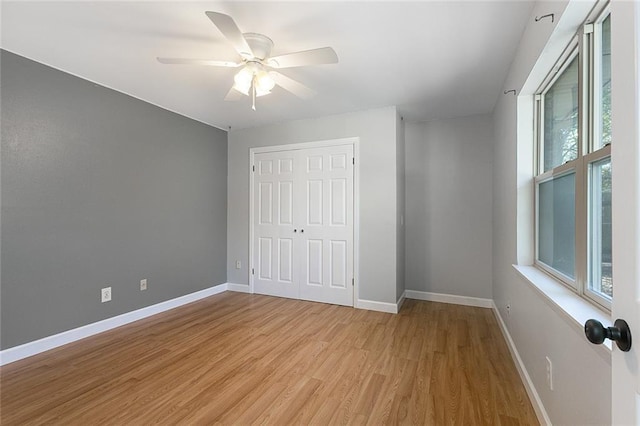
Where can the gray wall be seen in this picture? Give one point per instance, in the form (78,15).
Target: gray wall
(378,214)
(101,189)
(448,207)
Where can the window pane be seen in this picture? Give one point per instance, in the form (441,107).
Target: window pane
(561,119)
(605,75)
(556,224)
(600,278)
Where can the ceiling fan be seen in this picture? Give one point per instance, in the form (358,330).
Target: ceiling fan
(258,76)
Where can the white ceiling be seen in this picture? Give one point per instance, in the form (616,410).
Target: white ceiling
(431,59)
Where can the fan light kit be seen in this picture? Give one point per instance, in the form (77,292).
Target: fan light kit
(258,77)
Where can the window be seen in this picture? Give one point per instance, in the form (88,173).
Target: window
(600,279)
(561,119)
(557,224)
(573,181)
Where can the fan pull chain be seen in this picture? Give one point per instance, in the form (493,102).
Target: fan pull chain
(253,92)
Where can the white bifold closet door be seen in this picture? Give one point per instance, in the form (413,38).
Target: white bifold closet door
(303,224)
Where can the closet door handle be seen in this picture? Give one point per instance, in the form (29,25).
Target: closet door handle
(295,230)
(302,230)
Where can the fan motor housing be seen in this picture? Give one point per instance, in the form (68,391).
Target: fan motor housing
(260,44)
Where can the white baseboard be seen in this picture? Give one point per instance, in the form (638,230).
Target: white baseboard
(394,308)
(240,288)
(541,413)
(372,305)
(449,298)
(50,342)
(400,301)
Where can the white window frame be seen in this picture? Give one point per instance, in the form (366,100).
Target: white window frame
(588,160)
(569,54)
(586,47)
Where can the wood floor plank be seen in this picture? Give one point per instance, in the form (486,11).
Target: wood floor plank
(248,359)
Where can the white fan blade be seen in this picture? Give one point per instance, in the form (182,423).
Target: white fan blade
(187,61)
(323,55)
(233,95)
(289,84)
(230,30)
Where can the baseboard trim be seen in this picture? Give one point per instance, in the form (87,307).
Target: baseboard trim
(394,308)
(240,288)
(400,301)
(372,305)
(538,407)
(449,298)
(17,353)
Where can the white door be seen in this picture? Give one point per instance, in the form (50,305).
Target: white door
(274,245)
(303,224)
(325,217)
(625,166)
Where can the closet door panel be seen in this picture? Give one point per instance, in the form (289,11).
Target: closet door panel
(326,216)
(274,264)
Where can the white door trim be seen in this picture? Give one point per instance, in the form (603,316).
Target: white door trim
(305,145)
(355,141)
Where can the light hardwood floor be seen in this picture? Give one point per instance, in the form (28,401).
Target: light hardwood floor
(240,359)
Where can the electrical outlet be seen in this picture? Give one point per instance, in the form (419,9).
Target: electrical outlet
(105,295)
(508,308)
(549,373)
(238,264)
(143,284)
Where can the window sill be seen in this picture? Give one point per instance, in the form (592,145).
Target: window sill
(564,301)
